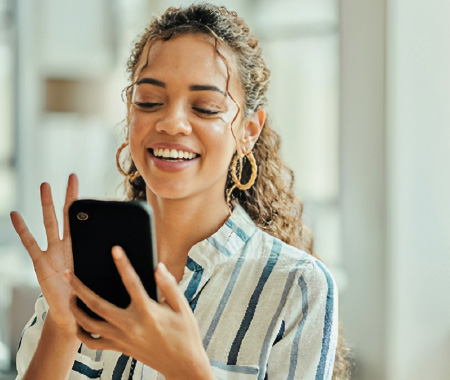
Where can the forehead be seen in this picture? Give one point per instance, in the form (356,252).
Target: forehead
(191,57)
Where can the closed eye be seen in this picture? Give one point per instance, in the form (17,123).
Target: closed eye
(205,111)
(147,105)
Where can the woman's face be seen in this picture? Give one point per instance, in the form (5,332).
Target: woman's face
(180,118)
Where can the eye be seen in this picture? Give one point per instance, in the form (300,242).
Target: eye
(205,111)
(147,106)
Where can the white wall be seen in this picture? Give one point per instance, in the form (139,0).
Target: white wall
(418,126)
(362,179)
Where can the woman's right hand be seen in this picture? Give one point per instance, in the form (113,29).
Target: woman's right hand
(50,265)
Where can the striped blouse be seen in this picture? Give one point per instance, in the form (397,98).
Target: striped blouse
(265,310)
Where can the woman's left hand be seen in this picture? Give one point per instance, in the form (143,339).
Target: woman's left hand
(164,336)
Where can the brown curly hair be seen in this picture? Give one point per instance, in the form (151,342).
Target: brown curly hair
(271,202)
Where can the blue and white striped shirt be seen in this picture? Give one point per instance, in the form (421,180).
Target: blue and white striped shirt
(265,310)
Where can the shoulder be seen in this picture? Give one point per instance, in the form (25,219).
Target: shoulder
(269,256)
(287,259)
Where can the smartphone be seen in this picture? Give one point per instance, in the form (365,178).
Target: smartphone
(95,227)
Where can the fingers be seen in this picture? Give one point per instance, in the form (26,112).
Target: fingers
(91,332)
(95,343)
(130,278)
(169,288)
(49,215)
(87,323)
(94,302)
(25,235)
(71,195)
(89,328)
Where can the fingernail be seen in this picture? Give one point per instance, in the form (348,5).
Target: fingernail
(162,267)
(117,252)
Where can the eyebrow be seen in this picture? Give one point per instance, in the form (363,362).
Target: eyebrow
(194,87)
(205,87)
(153,81)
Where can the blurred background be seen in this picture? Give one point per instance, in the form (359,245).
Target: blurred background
(360,95)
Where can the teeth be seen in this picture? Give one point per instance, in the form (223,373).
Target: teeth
(173,153)
(166,153)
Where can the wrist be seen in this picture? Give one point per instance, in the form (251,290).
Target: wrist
(203,373)
(199,371)
(66,331)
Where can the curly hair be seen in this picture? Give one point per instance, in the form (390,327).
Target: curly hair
(271,202)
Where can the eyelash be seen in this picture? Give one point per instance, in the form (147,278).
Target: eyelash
(205,111)
(198,109)
(147,105)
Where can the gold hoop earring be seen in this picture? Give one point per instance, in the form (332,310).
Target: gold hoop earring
(130,177)
(236,177)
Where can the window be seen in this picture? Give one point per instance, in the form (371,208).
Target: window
(7,177)
(300,42)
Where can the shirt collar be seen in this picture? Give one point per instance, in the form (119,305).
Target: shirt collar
(221,246)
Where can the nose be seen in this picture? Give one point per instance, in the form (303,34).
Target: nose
(174,121)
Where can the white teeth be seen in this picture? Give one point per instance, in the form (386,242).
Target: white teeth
(173,153)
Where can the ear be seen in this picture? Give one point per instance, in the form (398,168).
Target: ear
(253,127)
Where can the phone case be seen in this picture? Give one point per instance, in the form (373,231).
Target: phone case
(95,227)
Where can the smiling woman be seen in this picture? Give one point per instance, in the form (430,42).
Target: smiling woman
(243,296)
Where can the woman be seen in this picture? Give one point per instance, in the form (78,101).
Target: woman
(238,302)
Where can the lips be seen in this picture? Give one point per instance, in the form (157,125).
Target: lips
(171,159)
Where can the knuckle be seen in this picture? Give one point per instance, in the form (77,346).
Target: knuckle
(96,305)
(28,242)
(49,223)
(159,326)
(53,241)
(137,331)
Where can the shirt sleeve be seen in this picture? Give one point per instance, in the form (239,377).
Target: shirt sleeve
(84,366)
(306,346)
(30,337)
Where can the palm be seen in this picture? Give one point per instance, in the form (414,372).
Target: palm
(50,269)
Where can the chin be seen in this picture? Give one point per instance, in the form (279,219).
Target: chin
(168,191)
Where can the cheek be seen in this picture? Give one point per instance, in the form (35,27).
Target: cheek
(134,122)
(138,126)
(223,146)
(220,138)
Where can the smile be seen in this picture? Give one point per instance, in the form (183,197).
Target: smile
(172,154)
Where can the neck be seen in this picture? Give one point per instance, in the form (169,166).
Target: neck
(181,223)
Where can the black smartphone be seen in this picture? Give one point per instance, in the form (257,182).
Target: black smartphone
(95,227)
